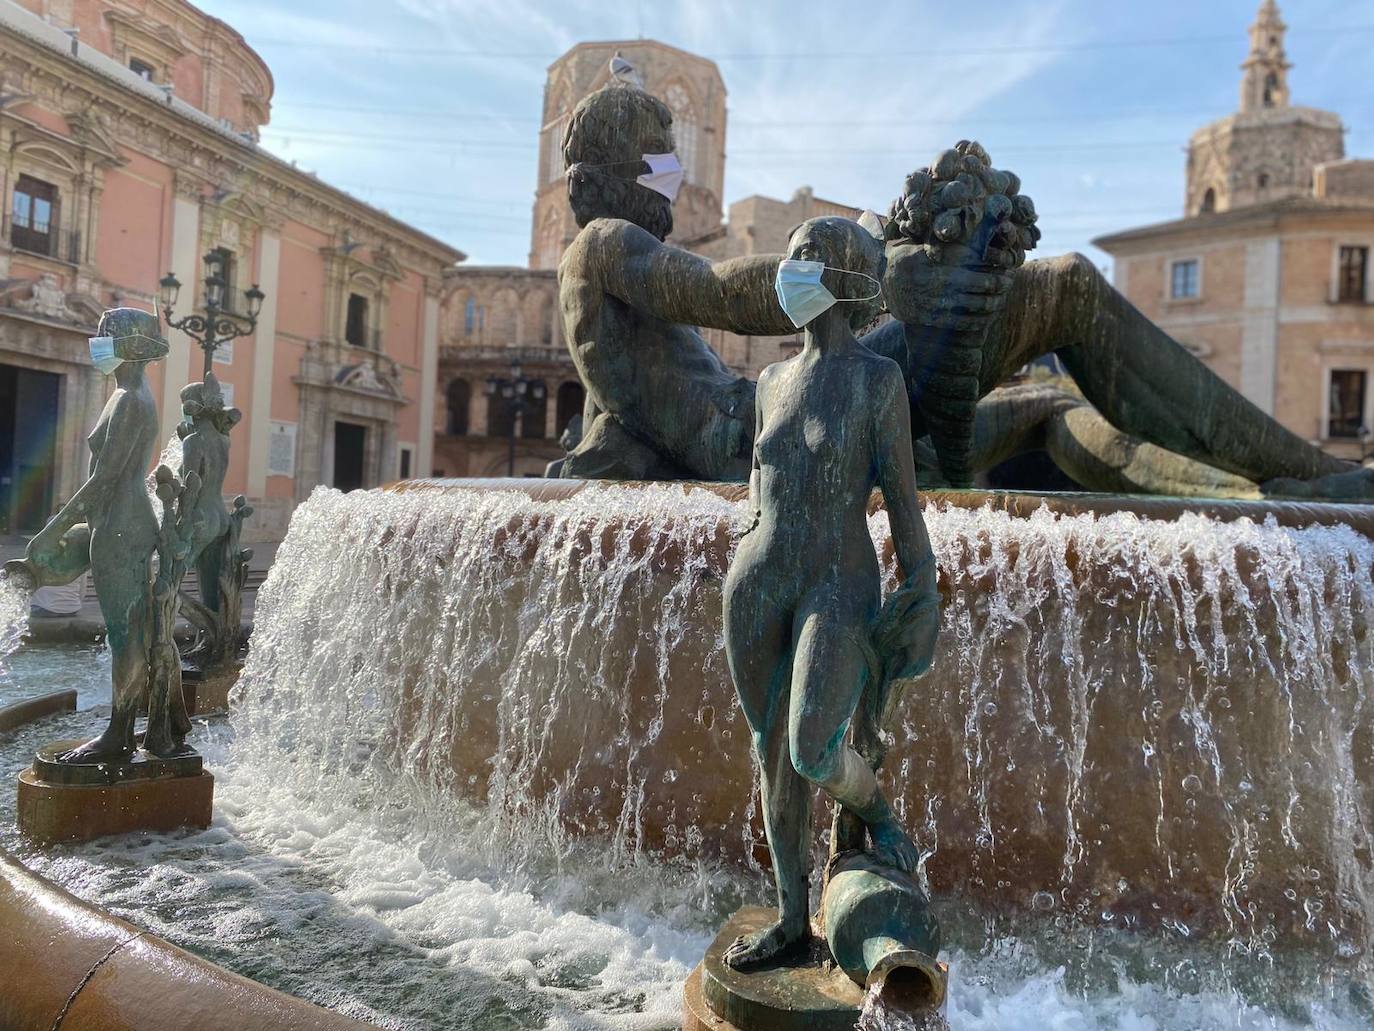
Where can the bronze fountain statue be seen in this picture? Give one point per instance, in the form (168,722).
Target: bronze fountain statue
(662,405)
(802,595)
(109,528)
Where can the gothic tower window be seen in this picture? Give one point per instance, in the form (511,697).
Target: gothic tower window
(684,128)
(1209,201)
(1271,89)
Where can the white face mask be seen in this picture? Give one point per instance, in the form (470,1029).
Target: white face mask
(801,294)
(103,355)
(664,176)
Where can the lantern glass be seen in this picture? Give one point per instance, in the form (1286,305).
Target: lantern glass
(255,297)
(169,288)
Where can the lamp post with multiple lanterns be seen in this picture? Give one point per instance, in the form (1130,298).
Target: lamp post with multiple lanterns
(518,391)
(217,325)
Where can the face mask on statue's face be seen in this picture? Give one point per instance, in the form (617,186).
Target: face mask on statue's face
(665,175)
(103,355)
(802,295)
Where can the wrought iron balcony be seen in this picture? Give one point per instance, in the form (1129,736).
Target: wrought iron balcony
(60,245)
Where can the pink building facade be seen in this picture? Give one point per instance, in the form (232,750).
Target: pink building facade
(127,149)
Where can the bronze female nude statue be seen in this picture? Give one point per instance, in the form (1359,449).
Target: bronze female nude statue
(109,526)
(804,636)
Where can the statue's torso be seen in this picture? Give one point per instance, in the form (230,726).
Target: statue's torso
(661,380)
(125,508)
(816,452)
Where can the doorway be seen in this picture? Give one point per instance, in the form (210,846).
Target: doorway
(350,449)
(28,448)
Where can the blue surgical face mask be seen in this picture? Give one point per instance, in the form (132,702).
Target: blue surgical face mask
(103,355)
(801,294)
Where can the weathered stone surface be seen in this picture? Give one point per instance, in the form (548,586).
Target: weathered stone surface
(64,962)
(49,813)
(20,713)
(814,995)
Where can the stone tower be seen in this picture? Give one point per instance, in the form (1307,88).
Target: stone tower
(694,91)
(1268,149)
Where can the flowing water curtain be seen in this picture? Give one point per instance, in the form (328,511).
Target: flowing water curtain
(1142,721)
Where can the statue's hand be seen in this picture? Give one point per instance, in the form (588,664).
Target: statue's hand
(922,291)
(908,625)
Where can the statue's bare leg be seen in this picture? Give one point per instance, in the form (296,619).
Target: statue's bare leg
(1140,379)
(828,679)
(608,451)
(757,642)
(118,585)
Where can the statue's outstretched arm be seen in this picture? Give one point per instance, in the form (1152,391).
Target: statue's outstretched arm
(677,286)
(1138,377)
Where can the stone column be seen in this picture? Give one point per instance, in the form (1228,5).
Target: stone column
(429,383)
(264,353)
(184,360)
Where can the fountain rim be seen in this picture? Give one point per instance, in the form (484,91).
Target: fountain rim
(1018,504)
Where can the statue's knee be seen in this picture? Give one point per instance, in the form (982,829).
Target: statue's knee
(1080,272)
(817,761)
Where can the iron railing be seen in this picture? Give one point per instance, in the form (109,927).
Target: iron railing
(60,245)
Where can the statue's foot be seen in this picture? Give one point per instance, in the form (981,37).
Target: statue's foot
(104,749)
(782,941)
(892,846)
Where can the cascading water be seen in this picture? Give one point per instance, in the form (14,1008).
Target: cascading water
(1143,727)
(14,616)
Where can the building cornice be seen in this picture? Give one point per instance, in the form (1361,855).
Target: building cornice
(200,149)
(1257,216)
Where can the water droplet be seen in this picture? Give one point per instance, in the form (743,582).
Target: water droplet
(1192,783)
(990,709)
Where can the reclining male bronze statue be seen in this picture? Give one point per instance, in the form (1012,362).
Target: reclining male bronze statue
(661,404)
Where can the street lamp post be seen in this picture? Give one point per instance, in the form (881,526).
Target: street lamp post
(518,391)
(216,326)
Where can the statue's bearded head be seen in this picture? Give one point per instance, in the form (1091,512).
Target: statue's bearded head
(607,137)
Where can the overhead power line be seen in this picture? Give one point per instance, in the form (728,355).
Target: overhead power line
(812,55)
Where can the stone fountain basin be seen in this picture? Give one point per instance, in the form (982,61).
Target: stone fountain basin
(1115,773)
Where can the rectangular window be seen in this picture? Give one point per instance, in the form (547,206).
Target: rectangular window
(33,216)
(1185,279)
(1345,416)
(141,68)
(1353,274)
(355,330)
(405,462)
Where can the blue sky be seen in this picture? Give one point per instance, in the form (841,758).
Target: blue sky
(430,108)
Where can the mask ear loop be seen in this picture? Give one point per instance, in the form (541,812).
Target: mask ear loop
(850,272)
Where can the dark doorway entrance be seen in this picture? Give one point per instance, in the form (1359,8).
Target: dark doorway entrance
(350,444)
(28,448)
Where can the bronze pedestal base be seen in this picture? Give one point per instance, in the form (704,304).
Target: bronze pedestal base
(807,994)
(60,802)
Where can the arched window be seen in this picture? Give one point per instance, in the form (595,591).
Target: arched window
(533,422)
(1263,180)
(571,398)
(1271,89)
(459,398)
(684,129)
(1209,201)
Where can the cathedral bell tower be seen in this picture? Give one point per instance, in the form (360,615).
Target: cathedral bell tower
(1266,151)
(1265,84)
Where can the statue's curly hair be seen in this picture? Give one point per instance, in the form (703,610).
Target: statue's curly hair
(603,148)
